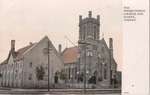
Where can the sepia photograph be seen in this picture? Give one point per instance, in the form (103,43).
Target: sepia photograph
(61,47)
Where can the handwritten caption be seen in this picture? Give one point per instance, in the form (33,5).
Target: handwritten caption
(132,14)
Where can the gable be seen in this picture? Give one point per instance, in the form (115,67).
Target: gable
(39,53)
(11,59)
(102,44)
(103,49)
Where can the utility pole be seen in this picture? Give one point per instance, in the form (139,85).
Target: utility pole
(85,71)
(110,79)
(85,44)
(48,63)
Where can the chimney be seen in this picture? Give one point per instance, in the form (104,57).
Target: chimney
(111,46)
(98,17)
(59,48)
(90,14)
(80,17)
(30,43)
(13,45)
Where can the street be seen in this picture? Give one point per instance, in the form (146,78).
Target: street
(60,91)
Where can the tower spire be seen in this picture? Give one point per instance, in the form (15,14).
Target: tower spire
(90,14)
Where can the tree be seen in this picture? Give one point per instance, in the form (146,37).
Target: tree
(1,75)
(40,72)
(63,75)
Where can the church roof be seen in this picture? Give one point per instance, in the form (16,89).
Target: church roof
(70,55)
(21,51)
(17,54)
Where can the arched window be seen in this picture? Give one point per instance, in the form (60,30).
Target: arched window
(30,64)
(105,73)
(94,32)
(84,32)
(103,49)
(69,71)
(80,33)
(30,77)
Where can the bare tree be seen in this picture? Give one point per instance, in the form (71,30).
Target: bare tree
(40,73)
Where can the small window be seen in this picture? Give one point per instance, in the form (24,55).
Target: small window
(69,69)
(84,32)
(46,66)
(30,64)
(94,32)
(105,73)
(30,77)
(103,49)
(20,65)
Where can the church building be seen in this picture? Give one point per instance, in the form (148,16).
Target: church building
(28,67)
(92,61)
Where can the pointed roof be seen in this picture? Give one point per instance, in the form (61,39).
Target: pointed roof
(17,54)
(21,51)
(70,55)
(27,48)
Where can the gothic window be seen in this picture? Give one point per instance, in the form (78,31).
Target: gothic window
(105,73)
(46,66)
(20,75)
(69,72)
(20,65)
(30,64)
(75,72)
(103,48)
(15,76)
(80,33)
(94,32)
(30,76)
(84,32)
(81,77)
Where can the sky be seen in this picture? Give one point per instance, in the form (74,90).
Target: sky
(30,20)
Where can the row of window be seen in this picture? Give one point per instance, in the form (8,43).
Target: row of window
(71,72)
(83,34)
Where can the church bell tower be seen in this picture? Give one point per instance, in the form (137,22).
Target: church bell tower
(89,27)
(88,40)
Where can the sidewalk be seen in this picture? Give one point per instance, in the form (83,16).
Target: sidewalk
(58,91)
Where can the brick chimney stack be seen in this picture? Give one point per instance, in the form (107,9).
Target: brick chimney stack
(59,48)
(111,45)
(90,14)
(13,45)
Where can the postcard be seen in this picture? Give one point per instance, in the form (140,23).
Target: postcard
(63,47)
